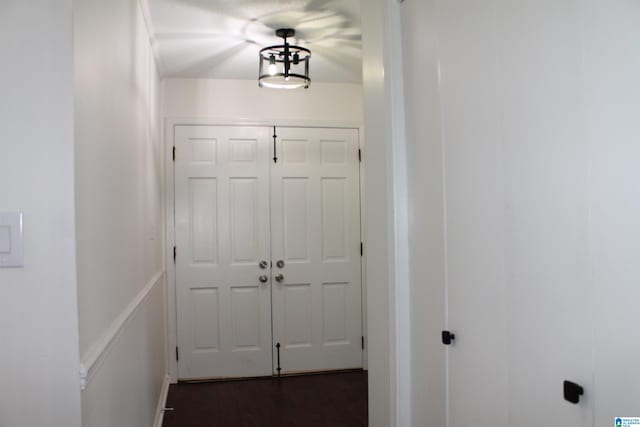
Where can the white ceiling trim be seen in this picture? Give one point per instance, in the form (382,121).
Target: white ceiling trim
(148,22)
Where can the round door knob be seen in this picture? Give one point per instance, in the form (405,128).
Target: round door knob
(279,277)
(263,278)
(263,264)
(280,264)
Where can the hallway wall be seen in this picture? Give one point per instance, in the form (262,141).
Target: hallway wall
(38,311)
(119,220)
(244,100)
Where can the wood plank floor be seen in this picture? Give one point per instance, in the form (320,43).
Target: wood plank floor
(335,399)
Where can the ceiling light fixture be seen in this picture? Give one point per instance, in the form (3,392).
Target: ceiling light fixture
(287,66)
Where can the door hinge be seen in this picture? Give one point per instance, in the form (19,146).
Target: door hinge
(177,354)
(174,153)
(360,155)
(174,254)
(362,342)
(361,249)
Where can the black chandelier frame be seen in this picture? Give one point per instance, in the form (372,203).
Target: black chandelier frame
(289,56)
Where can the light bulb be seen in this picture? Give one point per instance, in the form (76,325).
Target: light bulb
(272,66)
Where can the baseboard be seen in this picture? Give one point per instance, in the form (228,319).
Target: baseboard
(162,402)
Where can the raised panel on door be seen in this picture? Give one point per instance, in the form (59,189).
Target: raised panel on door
(315,212)
(222,234)
(295,219)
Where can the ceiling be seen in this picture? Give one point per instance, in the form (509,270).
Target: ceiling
(221,38)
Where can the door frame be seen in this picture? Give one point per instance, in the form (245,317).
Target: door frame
(171,309)
(390,364)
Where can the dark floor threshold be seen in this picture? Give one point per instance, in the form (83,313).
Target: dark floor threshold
(269,377)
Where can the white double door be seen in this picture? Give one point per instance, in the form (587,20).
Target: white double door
(267,251)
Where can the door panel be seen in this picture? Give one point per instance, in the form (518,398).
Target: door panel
(245,221)
(295,219)
(222,233)
(547,241)
(202,208)
(474,207)
(316,232)
(297,315)
(508,116)
(334,219)
(225,184)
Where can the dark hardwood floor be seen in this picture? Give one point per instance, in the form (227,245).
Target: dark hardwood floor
(335,399)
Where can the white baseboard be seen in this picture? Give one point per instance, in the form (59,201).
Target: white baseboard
(162,402)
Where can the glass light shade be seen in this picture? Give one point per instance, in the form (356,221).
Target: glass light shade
(278,81)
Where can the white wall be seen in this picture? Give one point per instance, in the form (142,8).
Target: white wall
(244,100)
(119,216)
(523,130)
(38,311)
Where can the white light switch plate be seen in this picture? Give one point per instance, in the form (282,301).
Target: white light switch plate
(11,240)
